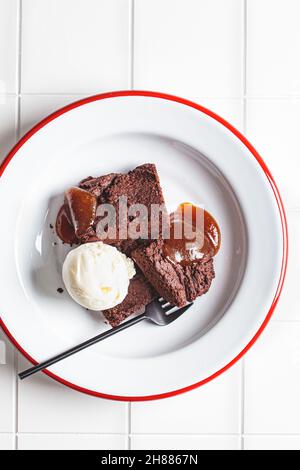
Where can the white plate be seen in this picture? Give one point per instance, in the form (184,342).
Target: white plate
(200,158)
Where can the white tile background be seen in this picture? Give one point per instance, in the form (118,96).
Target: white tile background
(237,57)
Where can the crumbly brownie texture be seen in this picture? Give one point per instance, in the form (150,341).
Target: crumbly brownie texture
(139,186)
(175,283)
(140,294)
(98,185)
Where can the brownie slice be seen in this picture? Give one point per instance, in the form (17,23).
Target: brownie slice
(139,186)
(98,185)
(175,283)
(140,294)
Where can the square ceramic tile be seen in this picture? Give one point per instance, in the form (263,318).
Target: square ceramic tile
(272,442)
(273,47)
(7,124)
(47,406)
(273,128)
(71,442)
(189,48)
(75,47)
(288,307)
(34,108)
(185,442)
(272,381)
(229,109)
(212,408)
(7,442)
(8,45)
(7,385)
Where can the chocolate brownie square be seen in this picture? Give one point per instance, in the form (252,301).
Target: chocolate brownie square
(139,186)
(176,283)
(140,294)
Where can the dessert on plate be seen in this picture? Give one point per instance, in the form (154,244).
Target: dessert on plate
(130,250)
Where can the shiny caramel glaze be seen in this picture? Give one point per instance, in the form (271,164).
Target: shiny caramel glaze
(204,245)
(64,226)
(82,205)
(76,216)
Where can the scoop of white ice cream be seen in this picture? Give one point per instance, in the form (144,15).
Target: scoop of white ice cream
(97,275)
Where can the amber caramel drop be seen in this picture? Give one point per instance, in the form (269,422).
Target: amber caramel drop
(194,235)
(64,226)
(82,205)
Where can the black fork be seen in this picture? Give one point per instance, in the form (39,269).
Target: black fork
(159,312)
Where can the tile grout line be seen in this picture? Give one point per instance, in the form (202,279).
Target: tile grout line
(15,403)
(245,47)
(131,44)
(128,425)
(215,97)
(242,404)
(167,434)
(19,66)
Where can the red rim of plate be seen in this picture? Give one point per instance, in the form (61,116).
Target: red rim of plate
(264,167)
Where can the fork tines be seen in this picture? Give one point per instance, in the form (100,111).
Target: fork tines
(165,305)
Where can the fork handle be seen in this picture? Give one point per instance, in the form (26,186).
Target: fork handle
(80,347)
